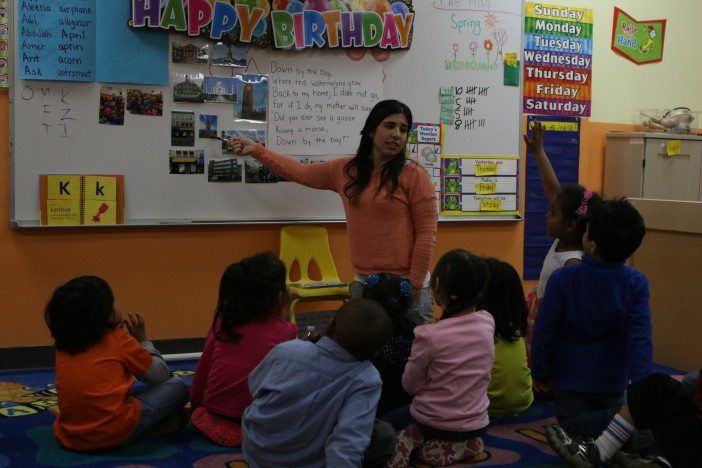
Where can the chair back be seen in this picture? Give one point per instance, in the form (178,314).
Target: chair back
(305,243)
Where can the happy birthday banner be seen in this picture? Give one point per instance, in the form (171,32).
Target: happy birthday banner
(284,24)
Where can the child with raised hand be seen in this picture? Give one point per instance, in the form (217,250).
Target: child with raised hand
(566,219)
(394,294)
(98,356)
(247,324)
(449,369)
(510,389)
(593,335)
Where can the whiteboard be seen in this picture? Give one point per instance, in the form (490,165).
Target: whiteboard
(55,129)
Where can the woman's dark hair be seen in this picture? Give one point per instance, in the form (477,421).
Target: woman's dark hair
(78,313)
(571,199)
(360,168)
(504,299)
(252,289)
(460,278)
(394,294)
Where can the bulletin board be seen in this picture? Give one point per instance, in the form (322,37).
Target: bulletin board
(56,129)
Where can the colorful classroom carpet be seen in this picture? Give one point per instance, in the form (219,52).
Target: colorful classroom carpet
(28,404)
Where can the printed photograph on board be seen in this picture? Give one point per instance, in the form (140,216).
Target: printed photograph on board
(228,55)
(186,161)
(208,126)
(189,53)
(182,128)
(224,170)
(144,103)
(257,135)
(252,98)
(111,106)
(257,173)
(220,89)
(188,87)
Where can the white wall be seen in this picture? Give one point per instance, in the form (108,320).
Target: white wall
(619,87)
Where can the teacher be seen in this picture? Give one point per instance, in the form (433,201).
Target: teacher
(389,200)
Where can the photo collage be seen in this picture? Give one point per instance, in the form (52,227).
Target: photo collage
(215,99)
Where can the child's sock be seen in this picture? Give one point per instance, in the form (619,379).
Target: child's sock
(612,439)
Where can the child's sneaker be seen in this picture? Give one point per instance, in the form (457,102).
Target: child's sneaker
(625,460)
(581,454)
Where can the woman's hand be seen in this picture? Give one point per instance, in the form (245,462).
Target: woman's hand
(136,326)
(536,141)
(242,145)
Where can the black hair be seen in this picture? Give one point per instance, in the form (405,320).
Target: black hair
(459,277)
(360,168)
(361,327)
(252,289)
(616,228)
(393,293)
(504,299)
(570,198)
(79,312)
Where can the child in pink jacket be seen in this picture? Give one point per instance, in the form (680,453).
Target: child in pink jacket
(449,370)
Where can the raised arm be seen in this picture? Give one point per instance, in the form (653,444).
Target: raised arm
(319,175)
(549,180)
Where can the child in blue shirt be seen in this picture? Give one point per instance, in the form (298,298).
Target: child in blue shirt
(593,332)
(314,404)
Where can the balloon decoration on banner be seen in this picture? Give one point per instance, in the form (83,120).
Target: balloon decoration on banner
(379,25)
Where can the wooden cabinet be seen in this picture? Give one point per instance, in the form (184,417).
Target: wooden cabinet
(649,165)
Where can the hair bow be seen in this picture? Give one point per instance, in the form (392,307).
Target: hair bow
(582,209)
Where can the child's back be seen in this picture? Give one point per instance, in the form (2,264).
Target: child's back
(596,332)
(246,326)
(449,372)
(315,404)
(97,408)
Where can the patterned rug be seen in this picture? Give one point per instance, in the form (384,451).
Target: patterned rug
(28,406)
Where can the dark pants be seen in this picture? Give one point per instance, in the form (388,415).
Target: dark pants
(586,414)
(382,445)
(661,404)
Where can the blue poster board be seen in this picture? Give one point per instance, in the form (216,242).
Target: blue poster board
(562,145)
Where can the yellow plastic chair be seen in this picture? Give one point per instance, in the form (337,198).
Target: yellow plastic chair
(306,244)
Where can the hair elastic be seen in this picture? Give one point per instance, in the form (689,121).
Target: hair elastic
(582,209)
(405,288)
(371,280)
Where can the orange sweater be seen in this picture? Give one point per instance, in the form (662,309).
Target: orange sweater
(393,234)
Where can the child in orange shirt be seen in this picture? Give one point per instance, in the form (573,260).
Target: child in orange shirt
(98,355)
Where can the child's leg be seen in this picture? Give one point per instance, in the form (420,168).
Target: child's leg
(408,440)
(445,452)
(586,415)
(158,401)
(399,418)
(382,445)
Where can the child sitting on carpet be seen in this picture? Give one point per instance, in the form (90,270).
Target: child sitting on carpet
(510,390)
(670,409)
(314,403)
(449,369)
(394,294)
(98,354)
(593,334)
(247,324)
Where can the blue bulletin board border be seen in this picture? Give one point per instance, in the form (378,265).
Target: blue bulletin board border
(562,145)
